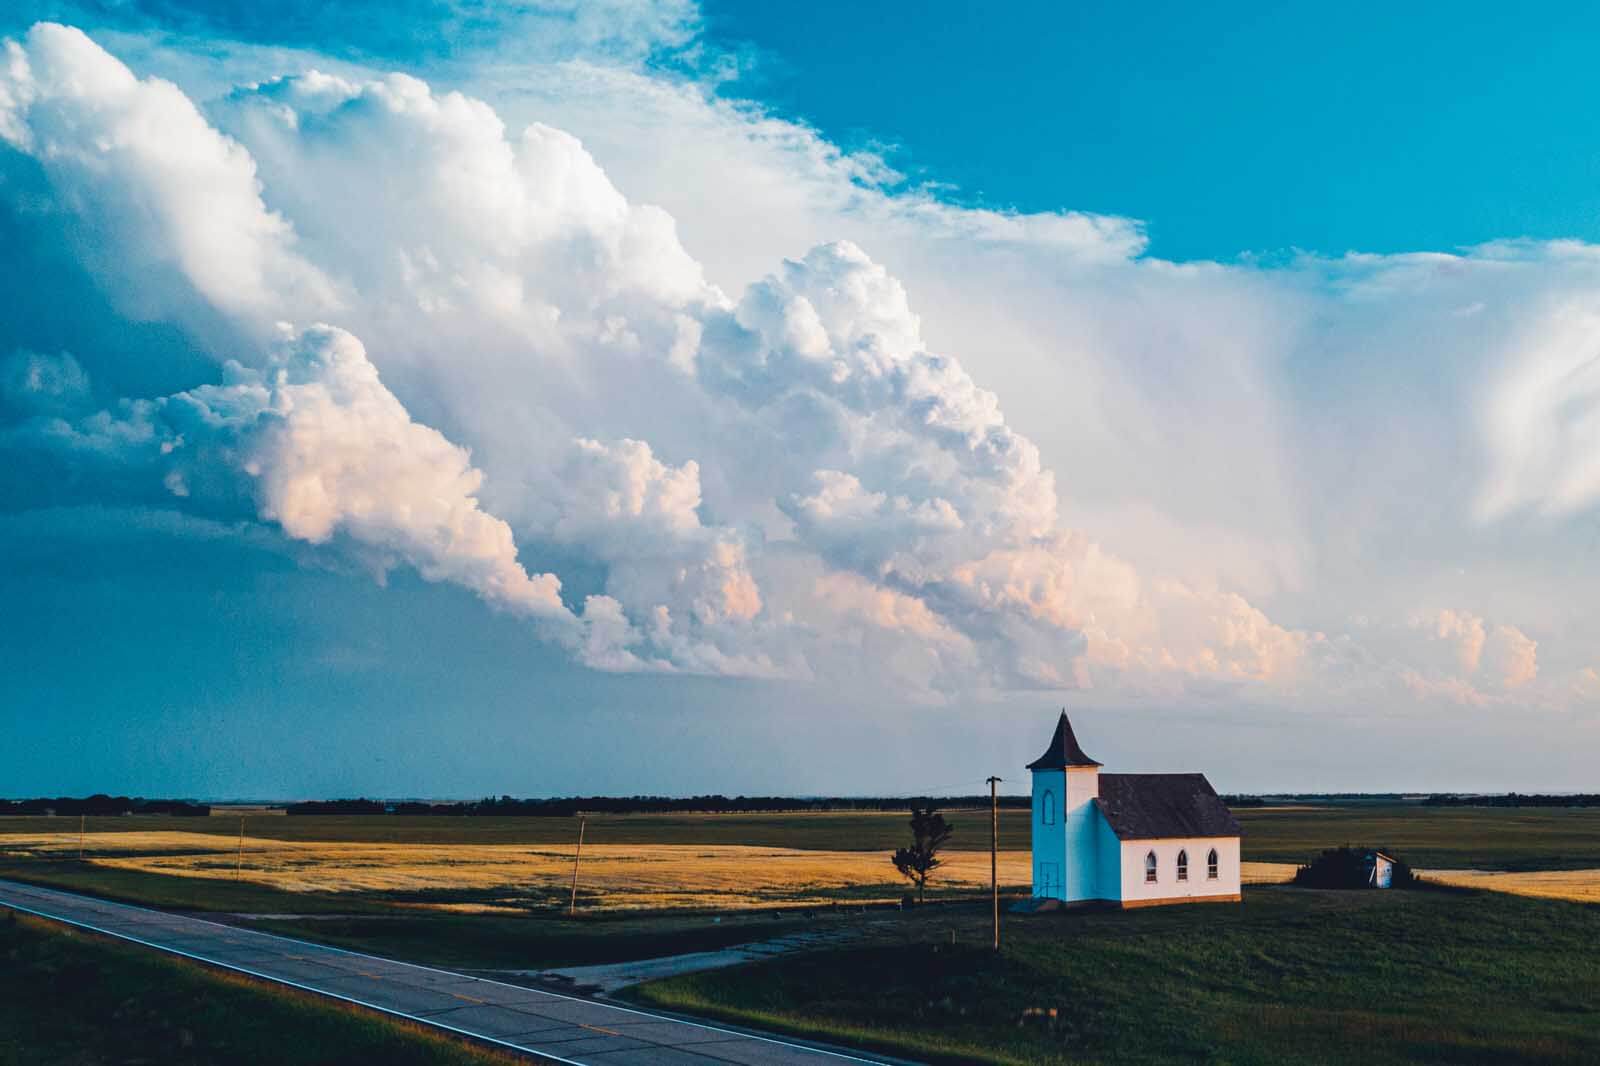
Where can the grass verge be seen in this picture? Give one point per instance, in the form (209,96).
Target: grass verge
(482,942)
(70,998)
(183,893)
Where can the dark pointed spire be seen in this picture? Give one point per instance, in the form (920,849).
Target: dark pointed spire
(1063,751)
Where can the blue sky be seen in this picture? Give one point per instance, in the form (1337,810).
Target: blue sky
(449,399)
(1267,127)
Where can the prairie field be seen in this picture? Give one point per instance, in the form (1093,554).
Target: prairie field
(1445,837)
(818,831)
(1266,873)
(1463,838)
(1581,886)
(1292,975)
(1432,838)
(489,877)
(715,861)
(511,878)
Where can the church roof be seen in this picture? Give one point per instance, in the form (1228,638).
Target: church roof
(1146,806)
(1063,750)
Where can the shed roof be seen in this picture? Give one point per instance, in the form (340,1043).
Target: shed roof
(1063,750)
(1147,806)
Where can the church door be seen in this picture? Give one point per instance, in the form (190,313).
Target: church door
(1049,880)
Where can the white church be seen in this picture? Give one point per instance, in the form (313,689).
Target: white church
(1136,840)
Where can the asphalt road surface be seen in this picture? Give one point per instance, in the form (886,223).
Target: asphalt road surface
(551,1026)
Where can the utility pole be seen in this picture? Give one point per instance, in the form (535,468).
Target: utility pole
(572,907)
(238,864)
(994,854)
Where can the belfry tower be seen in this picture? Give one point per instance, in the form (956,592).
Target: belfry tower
(1066,782)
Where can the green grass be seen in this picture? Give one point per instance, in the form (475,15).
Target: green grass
(826,831)
(1290,976)
(1461,837)
(1483,838)
(72,999)
(487,942)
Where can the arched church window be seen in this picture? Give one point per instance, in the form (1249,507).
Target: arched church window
(1211,865)
(1047,808)
(1183,865)
(1150,868)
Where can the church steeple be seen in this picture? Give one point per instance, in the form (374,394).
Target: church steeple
(1063,751)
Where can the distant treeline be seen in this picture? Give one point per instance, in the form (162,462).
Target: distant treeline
(1513,799)
(102,804)
(1348,797)
(568,806)
(1244,801)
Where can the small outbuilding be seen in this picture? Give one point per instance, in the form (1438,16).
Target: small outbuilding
(1380,869)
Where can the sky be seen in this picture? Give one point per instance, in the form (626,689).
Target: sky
(449,399)
(1275,127)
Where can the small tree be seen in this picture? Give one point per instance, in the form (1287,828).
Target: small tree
(929,833)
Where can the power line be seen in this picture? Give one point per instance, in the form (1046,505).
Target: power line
(929,790)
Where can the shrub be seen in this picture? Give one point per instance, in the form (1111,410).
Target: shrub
(1349,867)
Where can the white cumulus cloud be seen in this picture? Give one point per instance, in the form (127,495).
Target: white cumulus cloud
(165,199)
(794,475)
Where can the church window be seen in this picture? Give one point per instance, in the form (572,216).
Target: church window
(1047,808)
(1211,865)
(1150,868)
(1183,866)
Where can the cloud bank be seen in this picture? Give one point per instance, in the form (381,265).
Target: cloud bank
(530,388)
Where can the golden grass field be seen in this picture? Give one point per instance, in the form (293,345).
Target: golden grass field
(1579,886)
(613,876)
(1266,873)
(1582,886)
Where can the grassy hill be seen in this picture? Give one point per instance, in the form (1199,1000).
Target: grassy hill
(1289,976)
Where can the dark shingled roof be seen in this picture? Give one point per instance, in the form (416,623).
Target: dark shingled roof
(1143,806)
(1063,750)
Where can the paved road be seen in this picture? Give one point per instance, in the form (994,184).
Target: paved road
(560,1028)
